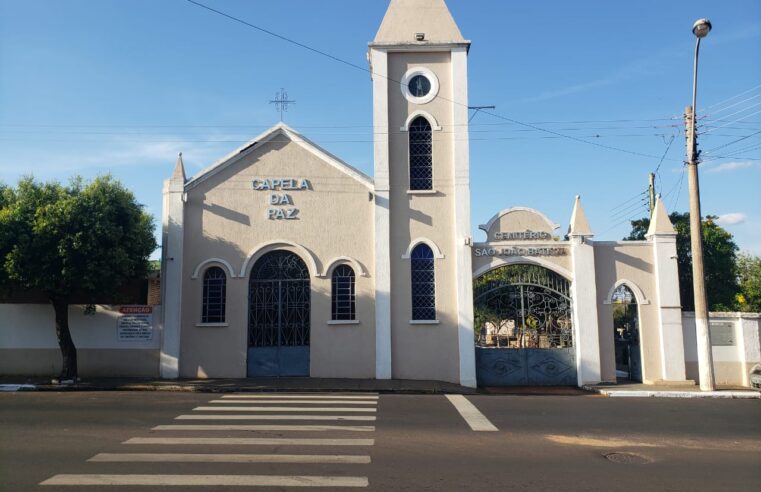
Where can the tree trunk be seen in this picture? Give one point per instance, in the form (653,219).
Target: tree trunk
(68,350)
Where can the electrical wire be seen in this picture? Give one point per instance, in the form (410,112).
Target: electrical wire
(366,70)
(707,152)
(733,105)
(729,99)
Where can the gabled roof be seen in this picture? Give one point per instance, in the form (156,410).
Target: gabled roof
(405,18)
(279,129)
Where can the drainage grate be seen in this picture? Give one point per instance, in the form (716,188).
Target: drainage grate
(627,458)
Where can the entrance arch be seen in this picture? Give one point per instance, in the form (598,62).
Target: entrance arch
(626,333)
(523,327)
(279,300)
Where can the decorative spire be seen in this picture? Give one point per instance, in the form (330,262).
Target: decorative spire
(179,169)
(406,20)
(660,224)
(579,225)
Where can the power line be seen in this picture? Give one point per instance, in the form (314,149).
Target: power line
(630,218)
(364,69)
(678,187)
(733,97)
(732,142)
(638,195)
(668,146)
(733,121)
(735,104)
(627,211)
(738,119)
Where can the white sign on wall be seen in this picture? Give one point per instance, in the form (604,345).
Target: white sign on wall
(135,323)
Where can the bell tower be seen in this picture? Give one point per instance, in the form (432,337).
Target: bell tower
(424,305)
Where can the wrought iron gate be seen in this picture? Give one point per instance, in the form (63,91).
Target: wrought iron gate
(524,332)
(278,316)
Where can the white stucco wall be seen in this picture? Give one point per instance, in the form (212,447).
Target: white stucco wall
(28,343)
(732,363)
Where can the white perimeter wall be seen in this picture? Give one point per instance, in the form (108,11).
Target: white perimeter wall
(28,343)
(732,363)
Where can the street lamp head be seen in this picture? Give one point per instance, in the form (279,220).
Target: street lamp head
(701,28)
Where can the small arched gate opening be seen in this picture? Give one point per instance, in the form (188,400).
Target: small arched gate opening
(523,327)
(626,334)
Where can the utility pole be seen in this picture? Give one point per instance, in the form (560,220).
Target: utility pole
(703,335)
(651,193)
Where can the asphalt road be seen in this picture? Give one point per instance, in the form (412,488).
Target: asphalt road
(394,442)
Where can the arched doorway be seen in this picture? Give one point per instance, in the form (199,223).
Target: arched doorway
(523,327)
(278,316)
(626,334)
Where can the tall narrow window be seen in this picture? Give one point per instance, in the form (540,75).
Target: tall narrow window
(214,296)
(421,155)
(423,283)
(343,299)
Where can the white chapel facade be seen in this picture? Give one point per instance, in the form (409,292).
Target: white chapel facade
(280,259)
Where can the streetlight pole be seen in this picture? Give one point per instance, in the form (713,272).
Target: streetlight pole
(701,28)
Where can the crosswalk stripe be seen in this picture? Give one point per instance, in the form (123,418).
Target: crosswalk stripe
(228,458)
(303,397)
(208,480)
(301,402)
(295,428)
(475,419)
(283,409)
(255,441)
(276,417)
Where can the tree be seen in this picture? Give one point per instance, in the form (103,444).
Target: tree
(749,278)
(83,238)
(719,258)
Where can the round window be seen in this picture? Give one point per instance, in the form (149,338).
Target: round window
(419,86)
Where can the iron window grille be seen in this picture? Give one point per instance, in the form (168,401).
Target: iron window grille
(214,296)
(342,294)
(423,283)
(421,155)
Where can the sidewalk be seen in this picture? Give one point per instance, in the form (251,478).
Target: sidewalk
(11,383)
(639,390)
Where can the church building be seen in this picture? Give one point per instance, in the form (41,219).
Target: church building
(280,259)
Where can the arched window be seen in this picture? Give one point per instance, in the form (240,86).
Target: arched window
(214,296)
(421,155)
(423,283)
(342,296)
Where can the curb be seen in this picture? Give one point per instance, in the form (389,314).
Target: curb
(736,395)
(189,388)
(17,387)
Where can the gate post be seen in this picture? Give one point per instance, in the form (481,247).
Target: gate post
(662,235)
(584,298)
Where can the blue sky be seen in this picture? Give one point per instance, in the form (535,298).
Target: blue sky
(93,87)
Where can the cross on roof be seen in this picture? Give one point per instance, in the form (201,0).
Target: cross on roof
(281,102)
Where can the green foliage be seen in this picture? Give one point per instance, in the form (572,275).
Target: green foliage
(719,259)
(749,278)
(84,236)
